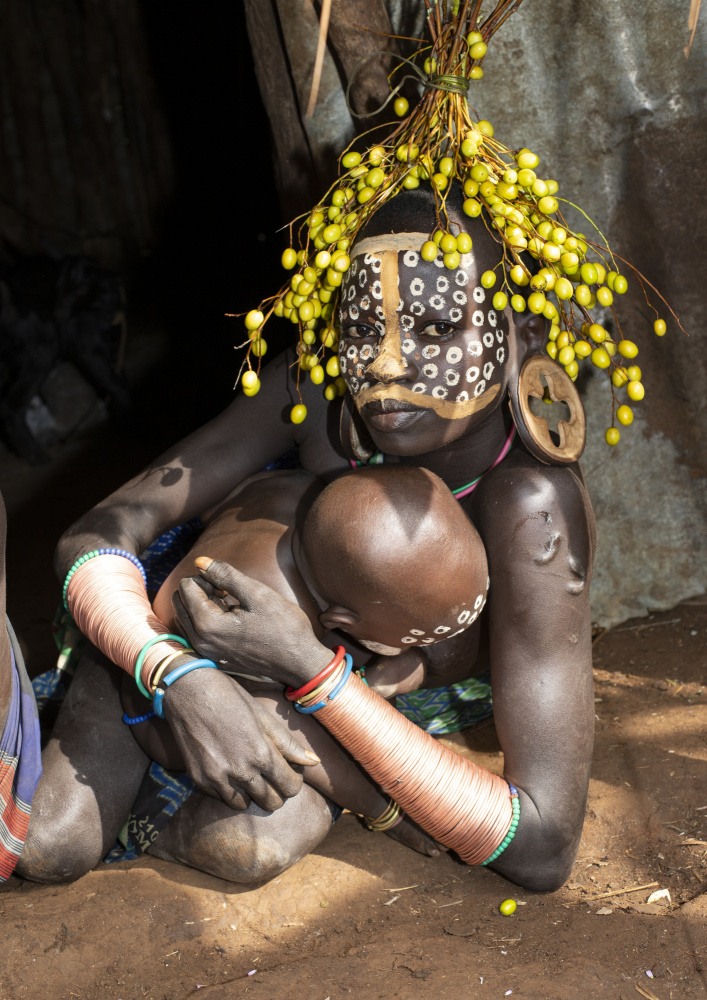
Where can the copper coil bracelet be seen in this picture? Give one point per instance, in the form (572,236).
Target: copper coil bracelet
(459,804)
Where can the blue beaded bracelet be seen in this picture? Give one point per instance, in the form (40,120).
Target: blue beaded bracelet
(515,805)
(92,555)
(332,694)
(135,720)
(174,676)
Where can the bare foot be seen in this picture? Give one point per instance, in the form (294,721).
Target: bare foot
(409,833)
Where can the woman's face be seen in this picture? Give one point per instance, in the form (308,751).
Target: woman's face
(422,350)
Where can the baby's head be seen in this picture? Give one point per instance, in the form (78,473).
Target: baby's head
(393,559)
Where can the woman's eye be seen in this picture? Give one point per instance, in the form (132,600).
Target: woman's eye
(438,331)
(359,331)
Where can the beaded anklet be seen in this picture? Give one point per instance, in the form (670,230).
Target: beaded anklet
(92,555)
(515,803)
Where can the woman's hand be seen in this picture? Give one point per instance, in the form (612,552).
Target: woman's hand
(265,634)
(233,748)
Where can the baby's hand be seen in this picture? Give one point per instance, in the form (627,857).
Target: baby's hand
(389,676)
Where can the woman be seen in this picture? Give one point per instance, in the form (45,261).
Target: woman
(430,368)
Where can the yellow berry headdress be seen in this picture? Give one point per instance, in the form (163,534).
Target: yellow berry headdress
(439,141)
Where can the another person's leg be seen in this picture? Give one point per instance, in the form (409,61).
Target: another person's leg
(92,771)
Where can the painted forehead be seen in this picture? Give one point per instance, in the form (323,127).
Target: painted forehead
(465,618)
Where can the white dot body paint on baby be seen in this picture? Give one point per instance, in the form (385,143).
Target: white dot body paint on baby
(439,319)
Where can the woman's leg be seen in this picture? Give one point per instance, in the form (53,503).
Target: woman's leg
(92,771)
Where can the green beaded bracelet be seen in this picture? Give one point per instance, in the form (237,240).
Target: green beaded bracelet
(141,658)
(515,819)
(79,562)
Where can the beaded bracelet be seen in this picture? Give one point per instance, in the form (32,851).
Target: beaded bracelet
(134,720)
(174,676)
(515,804)
(100,552)
(390,817)
(141,657)
(293,695)
(332,694)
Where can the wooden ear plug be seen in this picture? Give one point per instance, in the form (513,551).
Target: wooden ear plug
(532,429)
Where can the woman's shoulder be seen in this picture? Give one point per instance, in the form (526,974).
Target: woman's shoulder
(523,496)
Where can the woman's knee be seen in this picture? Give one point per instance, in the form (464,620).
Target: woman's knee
(57,852)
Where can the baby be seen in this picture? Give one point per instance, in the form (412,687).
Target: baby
(384,555)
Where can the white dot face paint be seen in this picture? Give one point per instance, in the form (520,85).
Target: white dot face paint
(442,630)
(442,319)
(463,617)
(479,602)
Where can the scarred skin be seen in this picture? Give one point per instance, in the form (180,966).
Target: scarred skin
(537,527)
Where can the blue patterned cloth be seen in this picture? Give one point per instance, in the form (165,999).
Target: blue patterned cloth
(449,709)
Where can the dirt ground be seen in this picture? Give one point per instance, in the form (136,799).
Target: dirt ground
(366,917)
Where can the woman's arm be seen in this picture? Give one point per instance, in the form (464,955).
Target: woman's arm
(202,469)
(538,529)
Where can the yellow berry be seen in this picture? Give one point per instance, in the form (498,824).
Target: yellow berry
(463,243)
(508,907)
(308,337)
(526,159)
(566,355)
(619,377)
(550,311)
(604,296)
(548,205)
(259,347)
(507,191)
(552,186)
(570,262)
(563,288)
(659,327)
(429,251)
(250,380)
(446,166)
(376,155)
(624,415)
(589,274)
(634,373)
(330,392)
(473,37)
(400,106)
(597,333)
(500,301)
(472,208)
(485,127)
(488,279)
(328,337)
(600,358)
(447,243)
(518,303)
(480,173)
(478,50)
(299,412)
(254,320)
(536,304)
(348,160)
(554,332)
(583,295)
(572,369)
(526,178)
(317,374)
(407,152)
(289,258)
(451,260)
(620,284)
(411,182)
(469,147)
(582,349)
(332,367)
(476,73)
(562,339)
(552,349)
(627,349)
(551,251)
(341,263)
(340,383)
(518,275)
(612,436)
(635,391)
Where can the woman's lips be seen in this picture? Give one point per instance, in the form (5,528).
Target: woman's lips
(391,414)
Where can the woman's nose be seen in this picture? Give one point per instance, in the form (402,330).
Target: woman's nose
(389,365)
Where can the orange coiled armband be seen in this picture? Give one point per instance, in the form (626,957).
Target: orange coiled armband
(459,804)
(107,599)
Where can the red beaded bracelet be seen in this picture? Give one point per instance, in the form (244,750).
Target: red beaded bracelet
(293,695)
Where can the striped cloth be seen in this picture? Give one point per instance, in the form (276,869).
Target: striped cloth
(20,763)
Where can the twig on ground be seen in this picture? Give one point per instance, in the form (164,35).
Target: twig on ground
(620,892)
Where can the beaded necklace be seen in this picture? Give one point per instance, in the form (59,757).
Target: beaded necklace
(463,491)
